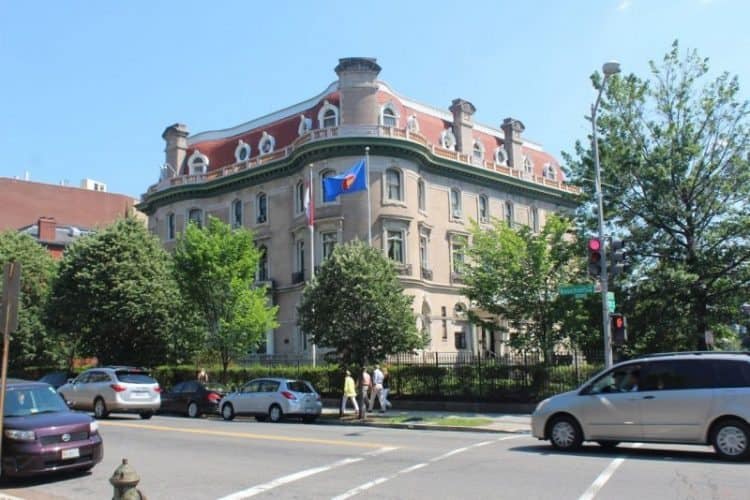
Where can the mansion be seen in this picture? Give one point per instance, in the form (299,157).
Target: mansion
(431,172)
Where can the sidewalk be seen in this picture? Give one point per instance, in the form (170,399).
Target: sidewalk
(433,420)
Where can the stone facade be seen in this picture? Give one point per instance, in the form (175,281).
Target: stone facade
(423,195)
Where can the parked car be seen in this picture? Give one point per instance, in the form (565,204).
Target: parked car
(192,398)
(685,398)
(114,389)
(41,434)
(57,378)
(273,399)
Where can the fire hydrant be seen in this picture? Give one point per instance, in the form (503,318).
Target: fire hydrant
(124,480)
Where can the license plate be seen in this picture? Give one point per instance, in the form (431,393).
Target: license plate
(139,395)
(71,453)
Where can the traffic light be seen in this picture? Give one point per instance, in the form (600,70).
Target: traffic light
(617,252)
(595,250)
(619,328)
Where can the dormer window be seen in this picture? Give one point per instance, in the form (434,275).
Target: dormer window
(305,125)
(328,116)
(198,163)
(528,165)
(448,139)
(549,172)
(412,124)
(388,116)
(478,151)
(266,144)
(501,157)
(242,151)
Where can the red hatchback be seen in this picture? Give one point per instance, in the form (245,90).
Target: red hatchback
(41,434)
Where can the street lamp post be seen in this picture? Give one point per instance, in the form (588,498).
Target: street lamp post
(609,69)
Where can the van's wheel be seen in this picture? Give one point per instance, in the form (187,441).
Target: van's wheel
(731,439)
(100,409)
(565,433)
(145,415)
(275,414)
(608,445)
(227,412)
(192,410)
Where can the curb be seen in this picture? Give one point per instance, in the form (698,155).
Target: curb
(421,427)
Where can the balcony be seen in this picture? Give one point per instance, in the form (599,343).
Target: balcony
(298,277)
(358,131)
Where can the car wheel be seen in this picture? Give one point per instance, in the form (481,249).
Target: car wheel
(731,439)
(227,412)
(309,419)
(275,414)
(261,418)
(146,415)
(100,409)
(565,434)
(608,444)
(192,410)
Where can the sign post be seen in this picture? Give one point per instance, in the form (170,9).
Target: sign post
(8,323)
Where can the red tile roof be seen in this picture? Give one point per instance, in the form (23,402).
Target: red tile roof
(23,202)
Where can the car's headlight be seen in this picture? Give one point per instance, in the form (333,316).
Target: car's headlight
(93,427)
(20,435)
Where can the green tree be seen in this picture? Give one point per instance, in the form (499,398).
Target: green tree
(674,151)
(513,275)
(357,306)
(115,296)
(32,343)
(216,271)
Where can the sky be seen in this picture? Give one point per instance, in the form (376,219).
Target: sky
(87,88)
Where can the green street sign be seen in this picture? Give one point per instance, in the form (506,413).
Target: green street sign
(611,301)
(576,289)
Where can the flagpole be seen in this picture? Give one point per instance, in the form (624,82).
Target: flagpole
(369,205)
(311,226)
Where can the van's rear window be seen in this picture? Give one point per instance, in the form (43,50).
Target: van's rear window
(135,378)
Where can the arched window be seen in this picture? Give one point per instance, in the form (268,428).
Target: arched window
(478,151)
(195,216)
(305,125)
(328,116)
(266,143)
(412,123)
(237,214)
(242,151)
(456,210)
(198,163)
(421,195)
(448,139)
(484,209)
(509,213)
(263,274)
(388,116)
(394,187)
(528,165)
(501,156)
(549,172)
(261,208)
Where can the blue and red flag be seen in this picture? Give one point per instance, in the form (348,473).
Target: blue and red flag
(351,181)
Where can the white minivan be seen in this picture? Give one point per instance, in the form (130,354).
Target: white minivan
(682,398)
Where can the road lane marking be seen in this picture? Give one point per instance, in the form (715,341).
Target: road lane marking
(385,449)
(255,490)
(246,435)
(605,476)
(370,484)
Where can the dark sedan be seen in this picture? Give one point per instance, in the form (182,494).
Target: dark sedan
(41,434)
(192,398)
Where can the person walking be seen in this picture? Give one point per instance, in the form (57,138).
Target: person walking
(386,387)
(203,376)
(350,394)
(377,389)
(365,384)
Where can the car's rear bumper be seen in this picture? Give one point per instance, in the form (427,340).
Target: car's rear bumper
(30,459)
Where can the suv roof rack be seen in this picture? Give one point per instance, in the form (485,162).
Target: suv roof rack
(694,353)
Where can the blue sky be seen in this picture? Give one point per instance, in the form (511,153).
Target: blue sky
(88,87)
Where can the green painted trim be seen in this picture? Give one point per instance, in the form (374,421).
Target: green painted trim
(354,146)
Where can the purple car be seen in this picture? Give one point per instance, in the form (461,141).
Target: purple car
(41,434)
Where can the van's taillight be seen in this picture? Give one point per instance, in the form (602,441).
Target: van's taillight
(157,389)
(214,397)
(117,387)
(288,395)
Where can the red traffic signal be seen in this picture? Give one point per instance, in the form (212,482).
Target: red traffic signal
(619,330)
(595,257)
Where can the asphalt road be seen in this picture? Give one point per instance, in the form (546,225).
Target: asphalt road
(180,458)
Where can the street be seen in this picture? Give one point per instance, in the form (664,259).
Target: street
(209,458)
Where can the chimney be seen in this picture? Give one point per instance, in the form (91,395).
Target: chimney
(47,228)
(176,149)
(358,86)
(463,126)
(512,130)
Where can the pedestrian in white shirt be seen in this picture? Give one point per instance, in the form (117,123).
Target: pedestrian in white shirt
(377,389)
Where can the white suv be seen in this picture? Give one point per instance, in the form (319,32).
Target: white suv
(685,398)
(117,389)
